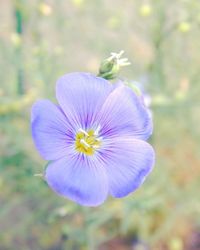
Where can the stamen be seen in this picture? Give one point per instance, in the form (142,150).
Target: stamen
(118,60)
(99,138)
(84,143)
(83,131)
(116,55)
(88,142)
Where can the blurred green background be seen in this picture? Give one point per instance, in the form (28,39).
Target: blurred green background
(42,40)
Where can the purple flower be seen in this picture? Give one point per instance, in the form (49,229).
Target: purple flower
(95,139)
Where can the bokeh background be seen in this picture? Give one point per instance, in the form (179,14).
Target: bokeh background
(42,40)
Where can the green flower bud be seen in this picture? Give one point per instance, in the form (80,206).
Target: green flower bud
(110,67)
(106,66)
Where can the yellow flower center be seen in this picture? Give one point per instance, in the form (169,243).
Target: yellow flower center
(87,142)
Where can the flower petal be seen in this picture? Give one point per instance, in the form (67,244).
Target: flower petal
(50,130)
(78,178)
(127,161)
(81,96)
(123,113)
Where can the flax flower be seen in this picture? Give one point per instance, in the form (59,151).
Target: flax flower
(95,139)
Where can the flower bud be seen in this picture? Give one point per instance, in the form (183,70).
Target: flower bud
(106,66)
(110,67)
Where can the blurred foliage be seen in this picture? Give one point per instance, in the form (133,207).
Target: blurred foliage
(40,41)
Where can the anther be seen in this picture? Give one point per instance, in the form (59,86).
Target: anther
(84,143)
(83,131)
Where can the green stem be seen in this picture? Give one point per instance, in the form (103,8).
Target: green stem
(19,30)
(157,66)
